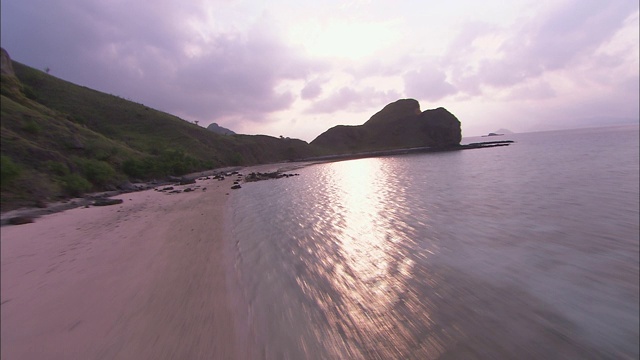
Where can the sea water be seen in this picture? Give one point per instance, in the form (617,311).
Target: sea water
(525,251)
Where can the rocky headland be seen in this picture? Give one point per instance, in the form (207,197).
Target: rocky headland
(398,125)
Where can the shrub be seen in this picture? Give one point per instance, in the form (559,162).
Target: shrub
(75,185)
(29,93)
(176,162)
(168,162)
(31,127)
(77,119)
(57,168)
(9,170)
(138,168)
(97,172)
(237,159)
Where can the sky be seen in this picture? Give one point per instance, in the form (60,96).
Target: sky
(296,68)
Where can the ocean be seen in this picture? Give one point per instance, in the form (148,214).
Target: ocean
(529,251)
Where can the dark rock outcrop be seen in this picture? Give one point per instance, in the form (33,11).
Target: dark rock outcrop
(107,202)
(6,67)
(219,129)
(20,220)
(187,181)
(398,125)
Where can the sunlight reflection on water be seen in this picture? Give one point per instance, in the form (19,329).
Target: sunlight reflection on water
(481,254)
(369,270)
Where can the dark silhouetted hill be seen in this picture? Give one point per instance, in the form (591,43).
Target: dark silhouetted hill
(398,125)
(219,129)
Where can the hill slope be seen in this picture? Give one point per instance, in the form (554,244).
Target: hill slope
(60,139)
(400,124)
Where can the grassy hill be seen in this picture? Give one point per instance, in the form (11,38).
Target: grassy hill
(60,140)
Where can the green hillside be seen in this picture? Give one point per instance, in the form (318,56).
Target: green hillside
(60,140)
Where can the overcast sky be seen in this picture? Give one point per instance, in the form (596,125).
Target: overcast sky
(296,68)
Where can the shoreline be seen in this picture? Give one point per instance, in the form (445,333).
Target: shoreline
(87,200)
(147,278)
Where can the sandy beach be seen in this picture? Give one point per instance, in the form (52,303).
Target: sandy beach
(144,279)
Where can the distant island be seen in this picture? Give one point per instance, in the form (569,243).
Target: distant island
(499,132)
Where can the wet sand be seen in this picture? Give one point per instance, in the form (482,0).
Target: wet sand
(144,279)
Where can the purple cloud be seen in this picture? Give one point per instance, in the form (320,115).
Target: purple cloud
(140,52)
(428,83)
(228,62)
(311,90)
(348,98)
(549,42)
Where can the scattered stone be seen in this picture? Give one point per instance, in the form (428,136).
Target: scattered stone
(266,176)
(127,186)
(187,181)
(236,187)
(167,188)
(187,190)
(20,220)
(107,202)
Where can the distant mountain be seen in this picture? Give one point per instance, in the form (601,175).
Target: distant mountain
(400,124)
(503,131)
(219,129)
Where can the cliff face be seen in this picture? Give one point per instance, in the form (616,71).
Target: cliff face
(398,125)
(5,63)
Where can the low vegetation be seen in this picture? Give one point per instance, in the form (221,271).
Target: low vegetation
(60,140)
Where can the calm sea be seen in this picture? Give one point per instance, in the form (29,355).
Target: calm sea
(529,251)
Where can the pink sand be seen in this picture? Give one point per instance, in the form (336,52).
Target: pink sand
(141,280)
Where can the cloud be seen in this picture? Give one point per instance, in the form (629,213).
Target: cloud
(536,90)
(238,64)
(167,56)
(238,76)
(350,99)
(428,83)
(485,55)
(311,90)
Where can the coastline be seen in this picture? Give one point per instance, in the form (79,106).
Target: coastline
(143,279)
(88,199)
